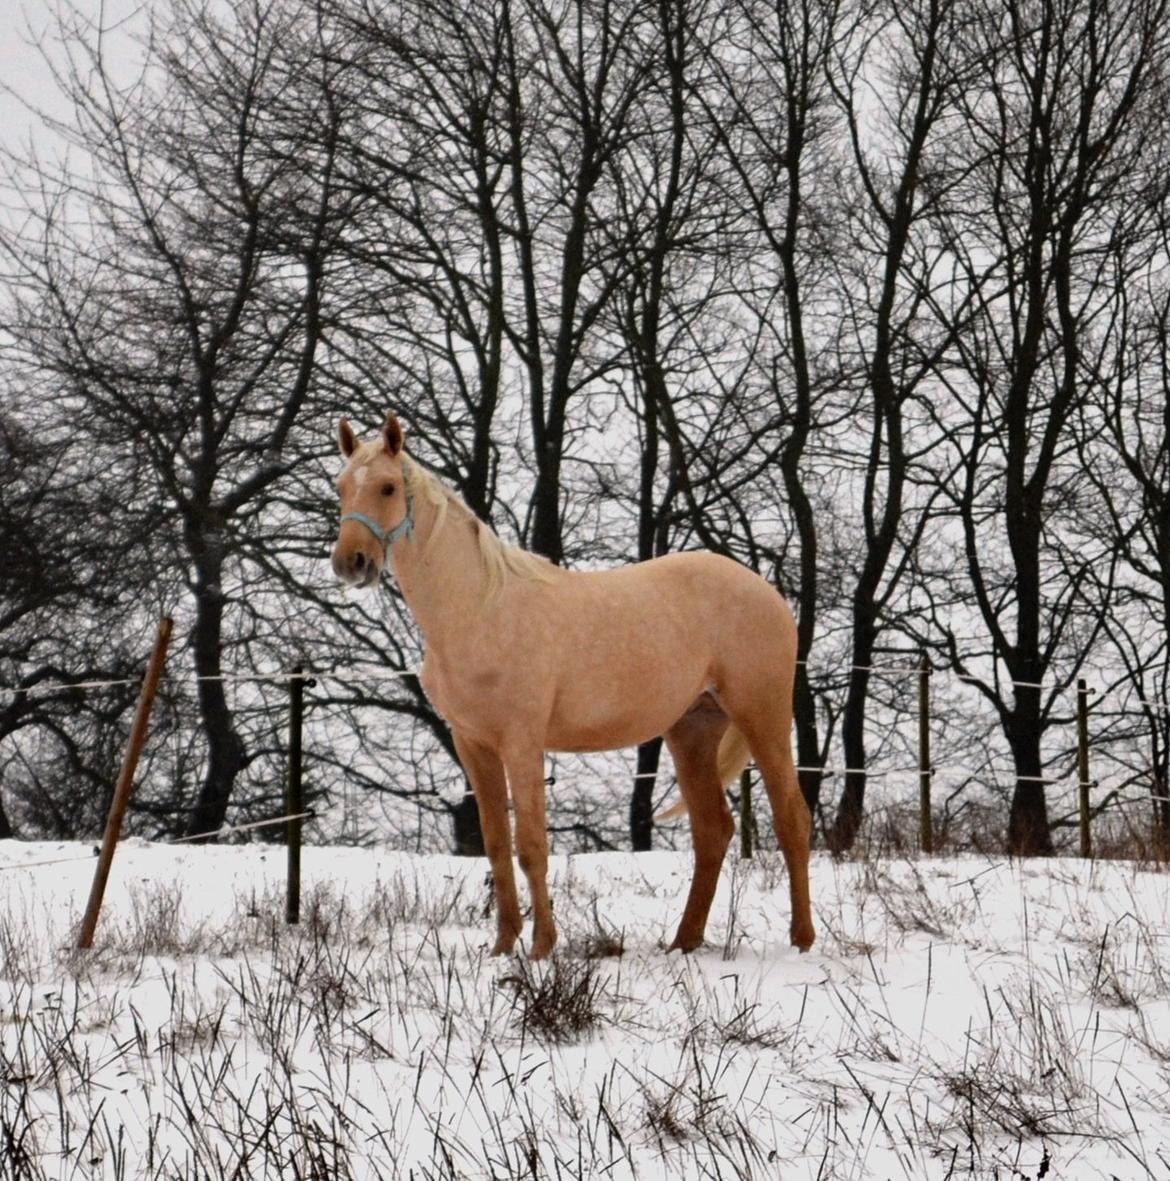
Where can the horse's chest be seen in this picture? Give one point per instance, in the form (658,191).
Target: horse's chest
(469,700)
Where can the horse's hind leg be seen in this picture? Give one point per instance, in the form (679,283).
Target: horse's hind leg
(486,773)
(793,825)
(771,747)
(693,742)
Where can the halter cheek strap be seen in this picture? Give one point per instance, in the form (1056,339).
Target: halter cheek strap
(404,528)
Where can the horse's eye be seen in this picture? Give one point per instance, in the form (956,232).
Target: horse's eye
(387,489)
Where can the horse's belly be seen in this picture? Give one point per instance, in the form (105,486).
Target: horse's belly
(593,725)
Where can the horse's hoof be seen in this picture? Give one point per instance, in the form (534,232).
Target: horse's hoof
(541,948)
(503,946)
(686,946)
(803,937)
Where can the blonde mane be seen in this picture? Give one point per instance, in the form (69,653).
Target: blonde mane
(500,560)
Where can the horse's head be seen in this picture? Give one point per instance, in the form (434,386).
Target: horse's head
(375,505)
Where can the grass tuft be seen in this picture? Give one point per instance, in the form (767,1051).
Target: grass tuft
(557,1002)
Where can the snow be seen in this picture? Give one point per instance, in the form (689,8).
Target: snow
(959,1017)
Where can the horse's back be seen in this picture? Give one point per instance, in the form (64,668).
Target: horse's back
(709,592)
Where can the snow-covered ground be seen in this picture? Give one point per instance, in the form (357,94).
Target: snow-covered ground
(956,1018)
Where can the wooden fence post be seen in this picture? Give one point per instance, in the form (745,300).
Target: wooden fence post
(125,783)
(295,796)
(1084,782)
(925,771)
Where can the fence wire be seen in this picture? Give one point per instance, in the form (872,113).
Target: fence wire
(372,675)
(226,830)
(367,675)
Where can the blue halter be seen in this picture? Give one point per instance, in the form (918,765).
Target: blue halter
(404,528)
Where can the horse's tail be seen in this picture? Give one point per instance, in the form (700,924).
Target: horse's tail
(733,755)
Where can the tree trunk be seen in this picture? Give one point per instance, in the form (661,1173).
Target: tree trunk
(1161,792)
(1028,831)
(466,826)
(226,757)
(546,536)
(642,799)
(804,707)
(851,807)
(808,746)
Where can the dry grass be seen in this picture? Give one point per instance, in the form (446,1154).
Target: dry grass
(562,1001)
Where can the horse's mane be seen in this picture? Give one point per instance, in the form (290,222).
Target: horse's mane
(500,560)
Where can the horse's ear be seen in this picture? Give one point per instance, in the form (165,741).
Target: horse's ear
(346,439)
(392,433)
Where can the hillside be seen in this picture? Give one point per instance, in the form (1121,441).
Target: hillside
(956,1018)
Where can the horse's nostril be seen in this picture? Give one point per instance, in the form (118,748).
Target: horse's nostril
(359,562)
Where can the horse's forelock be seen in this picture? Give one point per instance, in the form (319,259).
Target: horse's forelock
(364,453)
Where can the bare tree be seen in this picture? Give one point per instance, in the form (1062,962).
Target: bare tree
(893,351)
(172,284)
(1045,228)
(772,99)
(63,602)
(1124,448)
(489,132)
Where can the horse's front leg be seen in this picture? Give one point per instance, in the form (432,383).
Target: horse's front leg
(526,777)
(486,773)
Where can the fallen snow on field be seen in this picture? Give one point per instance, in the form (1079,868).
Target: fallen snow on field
(956,1018)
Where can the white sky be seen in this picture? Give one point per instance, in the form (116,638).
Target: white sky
(21,67)
(25,79)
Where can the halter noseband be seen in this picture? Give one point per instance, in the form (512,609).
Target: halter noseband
(404,528)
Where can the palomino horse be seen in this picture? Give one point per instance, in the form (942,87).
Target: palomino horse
(524,657)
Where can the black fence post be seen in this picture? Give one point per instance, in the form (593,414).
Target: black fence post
(925,771)
(1084,783)
(295,801)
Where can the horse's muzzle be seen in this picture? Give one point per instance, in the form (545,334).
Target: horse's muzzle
(355,568)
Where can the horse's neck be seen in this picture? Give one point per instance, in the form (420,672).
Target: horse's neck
(441,574)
